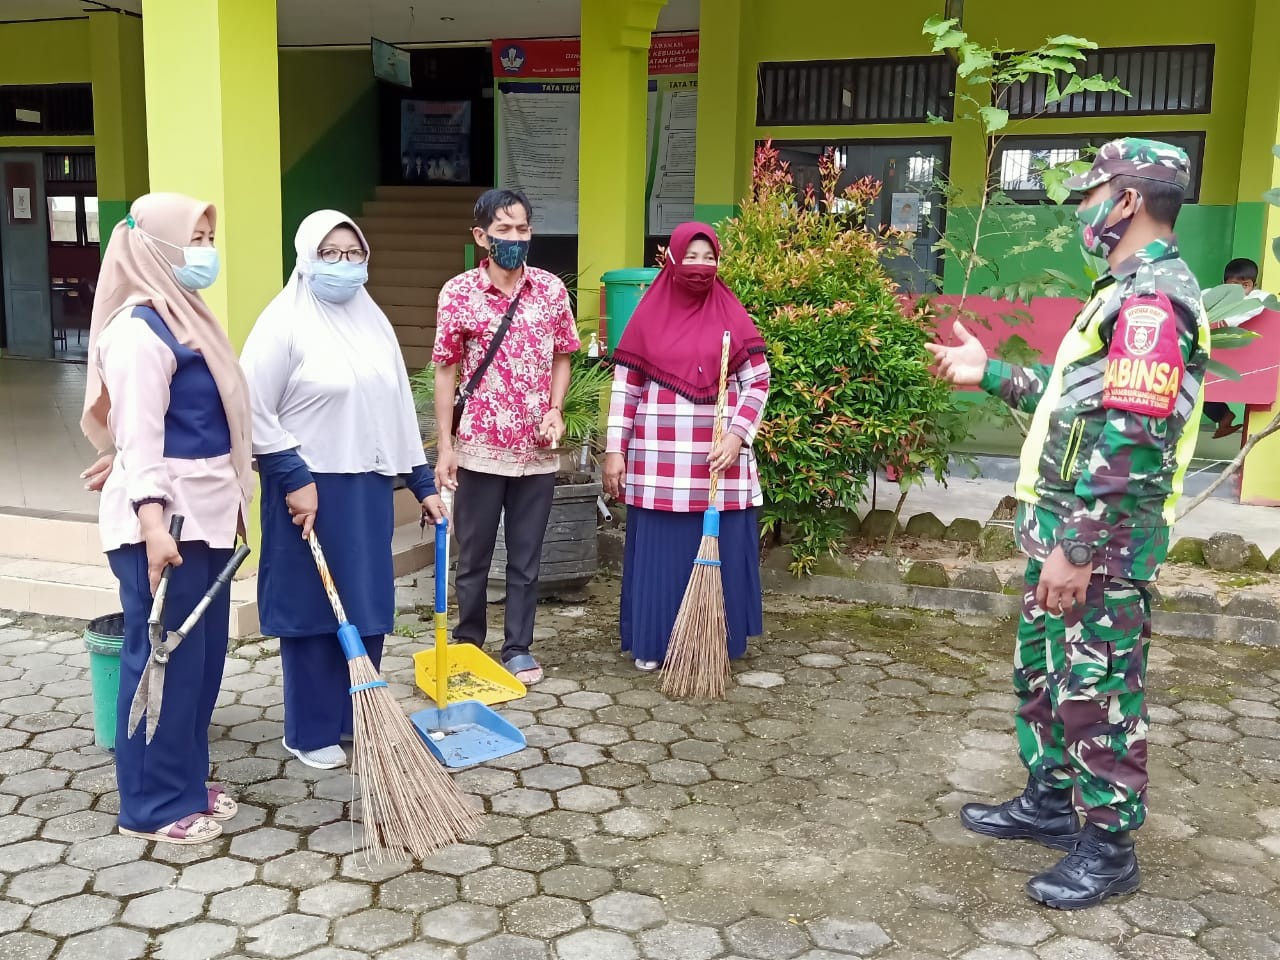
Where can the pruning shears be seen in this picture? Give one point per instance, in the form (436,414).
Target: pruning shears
(149,696)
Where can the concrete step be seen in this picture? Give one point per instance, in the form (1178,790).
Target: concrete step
(85,588)
(59,538)
(429,240)
(381,274)
(426,208)
(387,192)
(453,261)
(396,296)
(401,315)
(416,336)
(84,591)
(459,227)
(415,358)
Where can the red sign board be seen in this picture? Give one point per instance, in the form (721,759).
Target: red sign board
(669,53)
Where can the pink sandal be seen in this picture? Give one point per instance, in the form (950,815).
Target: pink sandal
(193,828)
(222,806)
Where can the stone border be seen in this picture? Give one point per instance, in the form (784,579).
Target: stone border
(1217,627)
(1190,613)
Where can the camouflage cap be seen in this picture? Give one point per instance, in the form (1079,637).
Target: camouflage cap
(1136,157)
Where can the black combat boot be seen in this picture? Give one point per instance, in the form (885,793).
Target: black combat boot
(1039,813)
(1102,865)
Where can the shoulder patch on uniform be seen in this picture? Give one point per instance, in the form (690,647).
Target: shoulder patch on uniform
(1144,365)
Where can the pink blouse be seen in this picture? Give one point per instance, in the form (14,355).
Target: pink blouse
(499,429)
(136,368)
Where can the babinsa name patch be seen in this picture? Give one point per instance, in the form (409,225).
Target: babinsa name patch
(1145,365)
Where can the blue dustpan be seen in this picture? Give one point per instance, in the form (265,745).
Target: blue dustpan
(467,733)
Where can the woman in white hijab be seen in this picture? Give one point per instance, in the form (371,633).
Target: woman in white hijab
(334,425)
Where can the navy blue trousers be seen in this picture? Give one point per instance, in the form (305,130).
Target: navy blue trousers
(657,561)
(166,780)
(317,701)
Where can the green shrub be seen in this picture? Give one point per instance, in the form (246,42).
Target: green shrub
(851,388)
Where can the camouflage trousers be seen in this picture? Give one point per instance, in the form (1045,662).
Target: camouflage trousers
(1082,715)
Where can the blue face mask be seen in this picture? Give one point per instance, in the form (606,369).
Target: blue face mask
(201,267)
(337,282)
(508,254)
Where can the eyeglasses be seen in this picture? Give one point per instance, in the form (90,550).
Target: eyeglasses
(333,255)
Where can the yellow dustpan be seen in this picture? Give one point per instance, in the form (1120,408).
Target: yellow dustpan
(471,674)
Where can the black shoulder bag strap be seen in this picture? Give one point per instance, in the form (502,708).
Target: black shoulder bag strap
(494,345)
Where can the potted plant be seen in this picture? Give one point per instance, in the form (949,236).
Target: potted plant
(423,385)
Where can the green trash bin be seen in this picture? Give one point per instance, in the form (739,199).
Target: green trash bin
(103,638)
(622,292)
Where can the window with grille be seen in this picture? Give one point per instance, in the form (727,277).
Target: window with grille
(819,92)
(70,168)
(56,108)
(910,200)
(73,220)
(1160,80)
(1021,161)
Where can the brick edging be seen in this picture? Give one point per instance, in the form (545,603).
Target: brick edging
(1215,627)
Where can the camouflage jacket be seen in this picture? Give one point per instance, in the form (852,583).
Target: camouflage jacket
(1108,477)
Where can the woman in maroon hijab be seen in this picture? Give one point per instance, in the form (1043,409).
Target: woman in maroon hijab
(659,448)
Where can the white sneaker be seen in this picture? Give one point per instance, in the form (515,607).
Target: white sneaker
(326,758)
(648,666)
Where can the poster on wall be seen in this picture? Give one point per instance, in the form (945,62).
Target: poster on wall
(20,191)
(539,149)
(673,138)
(435,141)
(905,212)
(22,203)
(538,86)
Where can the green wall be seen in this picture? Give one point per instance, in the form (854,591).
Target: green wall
(328,135)
(328,116)
(27,57)
(1220,227)
(45,51)
(1205,233)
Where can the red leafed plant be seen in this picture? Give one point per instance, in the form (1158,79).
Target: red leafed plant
(851,392)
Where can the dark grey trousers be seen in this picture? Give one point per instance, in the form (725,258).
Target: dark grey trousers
(478,504)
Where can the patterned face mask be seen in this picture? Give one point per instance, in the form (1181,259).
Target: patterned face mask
(508,254)
(1095,236)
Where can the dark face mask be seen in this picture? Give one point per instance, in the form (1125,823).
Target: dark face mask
(508,254)
(1095,236)
(696,277)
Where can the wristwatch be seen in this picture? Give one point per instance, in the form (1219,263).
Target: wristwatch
(1079,554)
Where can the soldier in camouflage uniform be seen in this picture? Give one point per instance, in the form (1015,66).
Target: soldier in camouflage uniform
(1102,468)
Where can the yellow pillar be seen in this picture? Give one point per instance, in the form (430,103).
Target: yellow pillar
(612,156)
(1260,172)
(213,130)
(119,114)
(726,122)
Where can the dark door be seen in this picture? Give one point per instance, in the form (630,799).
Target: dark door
(24,238)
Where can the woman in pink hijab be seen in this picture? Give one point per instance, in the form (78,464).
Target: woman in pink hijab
(165,391)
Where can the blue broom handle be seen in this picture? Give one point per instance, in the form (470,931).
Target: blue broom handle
(442,566)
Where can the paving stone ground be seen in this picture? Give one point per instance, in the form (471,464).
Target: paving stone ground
(810,816)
